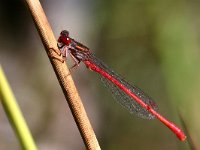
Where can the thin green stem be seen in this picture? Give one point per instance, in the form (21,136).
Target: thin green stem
(14,114)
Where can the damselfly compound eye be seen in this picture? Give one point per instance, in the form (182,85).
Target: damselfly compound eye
(64,38)
(65,33)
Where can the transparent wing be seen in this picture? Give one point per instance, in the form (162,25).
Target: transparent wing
(125,100)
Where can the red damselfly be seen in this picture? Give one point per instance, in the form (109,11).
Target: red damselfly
(129,96)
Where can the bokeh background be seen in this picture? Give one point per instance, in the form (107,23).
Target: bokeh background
(153,44)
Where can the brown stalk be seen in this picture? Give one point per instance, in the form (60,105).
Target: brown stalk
(62,73)
(190,138)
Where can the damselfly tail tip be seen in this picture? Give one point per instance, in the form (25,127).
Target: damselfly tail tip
(181,135)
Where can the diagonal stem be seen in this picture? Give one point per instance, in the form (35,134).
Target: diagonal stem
(62,73)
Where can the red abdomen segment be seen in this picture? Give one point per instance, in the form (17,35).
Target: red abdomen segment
(113,81)
(131,97)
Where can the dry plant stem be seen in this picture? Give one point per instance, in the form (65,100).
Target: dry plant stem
(63,76)
(191,142)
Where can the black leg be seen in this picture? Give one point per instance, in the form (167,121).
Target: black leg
(58,56)
(60,46)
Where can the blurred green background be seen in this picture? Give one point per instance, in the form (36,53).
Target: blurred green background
(153,44)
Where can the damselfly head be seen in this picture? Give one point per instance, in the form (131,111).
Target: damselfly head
(64,33)
(64,38)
